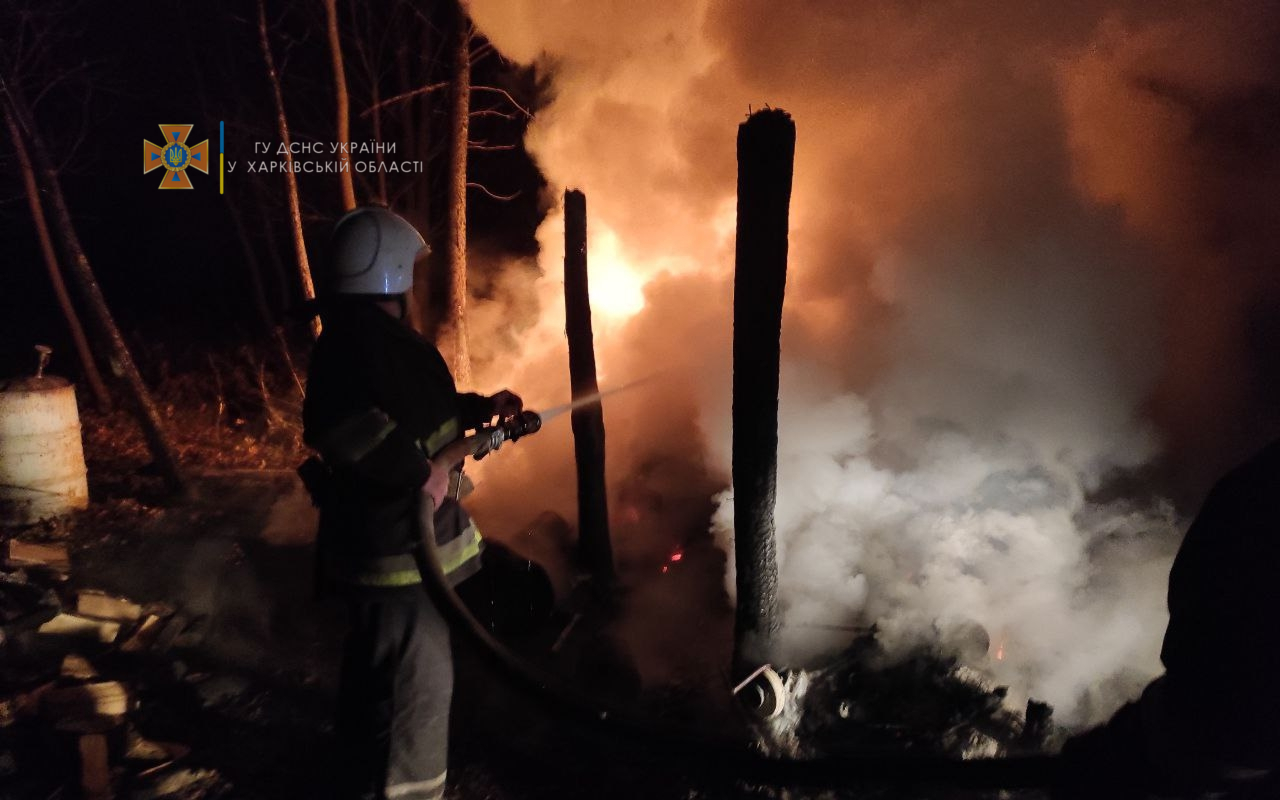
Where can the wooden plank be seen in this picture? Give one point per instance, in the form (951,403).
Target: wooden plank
(145,636)
(25,703)
(103,698)
(95,769)
(92,603)
(77,667)
(73,626)
(20,553)
(172,629)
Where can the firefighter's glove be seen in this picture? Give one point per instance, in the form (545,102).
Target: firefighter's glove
(437,484)
(506,404)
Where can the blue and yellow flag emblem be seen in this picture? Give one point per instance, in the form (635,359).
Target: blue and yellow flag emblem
(175,156)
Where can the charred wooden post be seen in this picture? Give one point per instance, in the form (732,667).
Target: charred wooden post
(766,149)
(588,421)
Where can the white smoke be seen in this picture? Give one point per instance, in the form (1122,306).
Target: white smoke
(972,332)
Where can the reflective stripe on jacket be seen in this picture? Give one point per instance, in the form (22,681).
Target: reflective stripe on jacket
(458,541)
(459,559)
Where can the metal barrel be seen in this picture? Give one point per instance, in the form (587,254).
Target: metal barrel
(42,471)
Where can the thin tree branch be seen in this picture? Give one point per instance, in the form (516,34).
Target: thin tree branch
(423,18)
(503,197)
(504,93)
(484,148)
(395,198)
(491,112)
(83,129)
(431,87)
(59,79)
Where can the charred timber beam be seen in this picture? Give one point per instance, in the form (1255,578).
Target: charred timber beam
(766,150)
(588,421)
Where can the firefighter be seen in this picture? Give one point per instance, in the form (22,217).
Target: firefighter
(1210,726)
(380,407)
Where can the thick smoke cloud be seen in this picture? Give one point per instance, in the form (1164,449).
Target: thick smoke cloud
(1030,251)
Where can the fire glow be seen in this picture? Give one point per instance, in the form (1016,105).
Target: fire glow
(617,291)
(969,341)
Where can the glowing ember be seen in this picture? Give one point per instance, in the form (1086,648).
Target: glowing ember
(677,555)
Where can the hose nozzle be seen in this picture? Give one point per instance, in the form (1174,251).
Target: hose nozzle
(522,424)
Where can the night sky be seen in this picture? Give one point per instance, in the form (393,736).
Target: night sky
(170,263)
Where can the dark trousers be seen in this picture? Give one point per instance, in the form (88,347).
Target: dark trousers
(393,702)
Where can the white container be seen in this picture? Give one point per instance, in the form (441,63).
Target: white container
(42,471)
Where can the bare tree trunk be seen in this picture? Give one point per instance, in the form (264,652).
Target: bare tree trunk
(101,397)
(415,116)
(377,138)
(766,149)
(588,421)
(426,137)
(257,291)
(291,180)
(406,114)
(121,361)
(254,266)
(455,322)
(419,132)
(340,94)
(281,291)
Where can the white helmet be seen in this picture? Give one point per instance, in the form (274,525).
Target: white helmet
(372,252)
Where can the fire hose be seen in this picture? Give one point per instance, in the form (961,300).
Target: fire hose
(721,758)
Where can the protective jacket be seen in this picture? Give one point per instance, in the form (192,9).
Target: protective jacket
(380,403)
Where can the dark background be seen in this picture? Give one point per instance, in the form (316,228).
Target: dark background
(169,262)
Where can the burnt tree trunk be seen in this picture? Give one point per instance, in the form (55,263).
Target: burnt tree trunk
(101,397)
(120,359)
(291,180)
(455,321)
(766,149)
(588,421)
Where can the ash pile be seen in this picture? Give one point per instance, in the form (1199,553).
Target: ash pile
(864,701)
(76,667)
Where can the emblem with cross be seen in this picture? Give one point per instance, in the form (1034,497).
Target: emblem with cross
(175,156)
